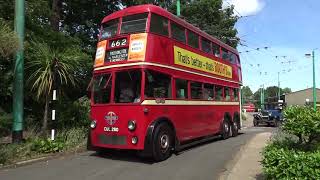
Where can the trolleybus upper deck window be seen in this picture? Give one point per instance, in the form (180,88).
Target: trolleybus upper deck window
(134,23)
(216,50)
(178,32)
(159,25)
(206,47)
(109,29)
(193,39)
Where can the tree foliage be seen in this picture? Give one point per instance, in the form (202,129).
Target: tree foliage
(8,40)
(210,17)
(247,94)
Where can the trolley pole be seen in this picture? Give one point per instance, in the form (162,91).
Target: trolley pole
(314,83)
(178,7)
(17,129)
(261,97)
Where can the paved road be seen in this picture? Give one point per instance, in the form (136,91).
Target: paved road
(203,162)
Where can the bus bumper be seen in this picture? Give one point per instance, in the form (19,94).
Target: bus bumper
(115,141)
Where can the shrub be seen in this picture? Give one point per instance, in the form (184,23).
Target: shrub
(66,140)
(74,114)
(73,138)
(302,122)
(294,152)
(47,146)
(5,124)
(280,162)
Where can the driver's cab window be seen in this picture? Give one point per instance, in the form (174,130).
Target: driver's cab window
(128,87)
(158,85)
(102,88)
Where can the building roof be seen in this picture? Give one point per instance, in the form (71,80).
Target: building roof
(302,90)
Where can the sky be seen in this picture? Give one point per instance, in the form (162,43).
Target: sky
(275,35)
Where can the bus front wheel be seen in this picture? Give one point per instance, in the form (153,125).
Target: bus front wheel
(162,142)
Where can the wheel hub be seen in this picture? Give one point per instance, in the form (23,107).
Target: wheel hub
(226,127)
(164,142)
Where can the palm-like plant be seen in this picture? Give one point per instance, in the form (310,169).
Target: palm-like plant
(43,62)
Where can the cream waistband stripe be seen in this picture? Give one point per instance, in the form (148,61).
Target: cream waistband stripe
(161,65)
(190,103)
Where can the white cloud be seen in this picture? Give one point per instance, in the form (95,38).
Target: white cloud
(245,7)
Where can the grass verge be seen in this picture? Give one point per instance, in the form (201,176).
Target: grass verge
(71,140)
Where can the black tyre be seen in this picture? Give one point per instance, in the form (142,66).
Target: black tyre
(225,130)
(235,129)
(276,123)
(163,141)
(255,123)
(89,144)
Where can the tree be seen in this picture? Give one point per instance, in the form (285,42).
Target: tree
(43,62)
(246,94)
(286,90)
(271,91)
(8,45)
(209,16)
(8,40)
(256,97)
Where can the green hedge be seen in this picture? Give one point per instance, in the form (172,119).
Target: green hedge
(283,163)
(294,153)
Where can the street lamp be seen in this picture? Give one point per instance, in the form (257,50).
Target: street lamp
(314,80)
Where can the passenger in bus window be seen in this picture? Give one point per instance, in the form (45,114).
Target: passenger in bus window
(126,93)
(208,92)
(219,93)
(158,85)
(227,93)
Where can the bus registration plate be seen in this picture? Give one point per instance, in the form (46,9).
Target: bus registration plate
(111,129)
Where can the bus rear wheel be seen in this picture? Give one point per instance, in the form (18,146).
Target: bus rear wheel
(162,142)
(225,131)
(235,129)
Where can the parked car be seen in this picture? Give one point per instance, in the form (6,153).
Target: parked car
(270,117)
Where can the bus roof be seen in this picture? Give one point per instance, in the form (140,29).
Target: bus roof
(165,13)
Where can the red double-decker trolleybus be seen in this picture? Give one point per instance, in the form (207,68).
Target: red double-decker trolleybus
(160,84)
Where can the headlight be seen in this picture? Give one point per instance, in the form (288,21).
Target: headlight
(131,125)
(134,140)
(270,114)
(93,124)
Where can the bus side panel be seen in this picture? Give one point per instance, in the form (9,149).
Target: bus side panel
(191,121)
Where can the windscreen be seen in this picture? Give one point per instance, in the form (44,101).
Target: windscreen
(102,89)
(134,23)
